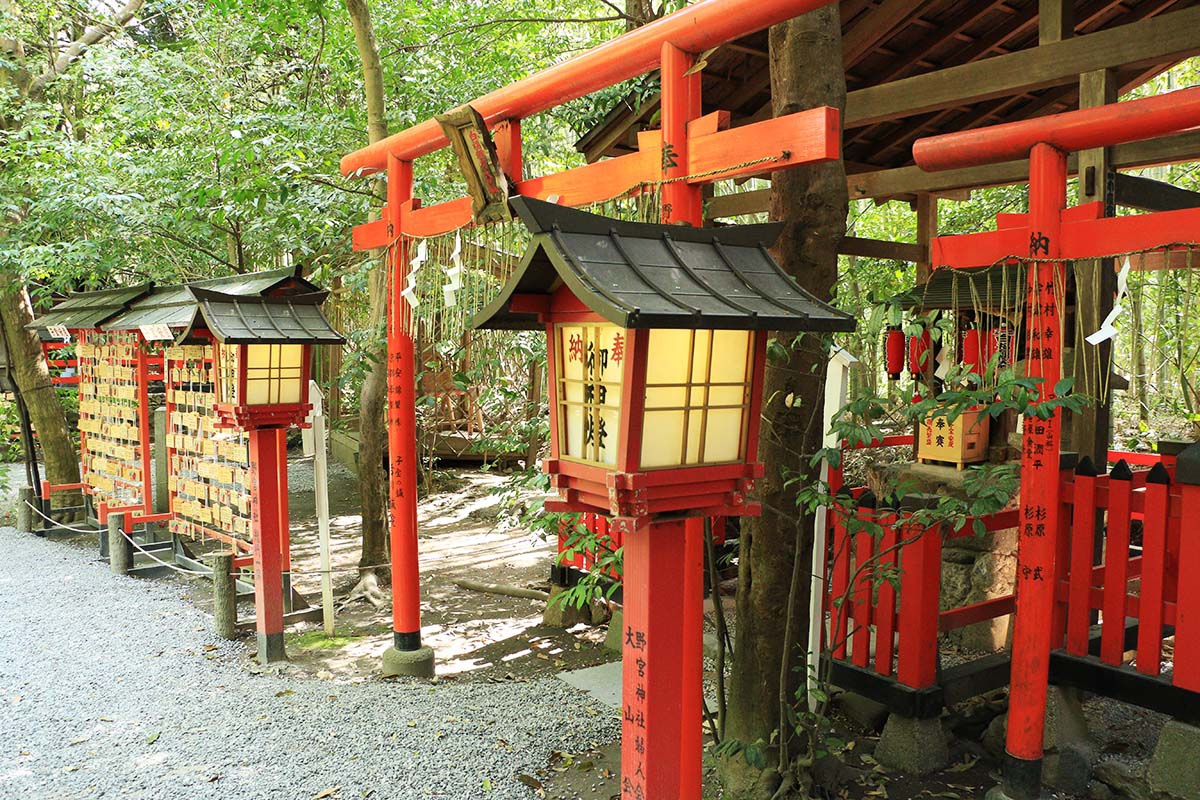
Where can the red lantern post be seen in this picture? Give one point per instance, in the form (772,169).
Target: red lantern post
(261,355)
(682,202)
(655,373)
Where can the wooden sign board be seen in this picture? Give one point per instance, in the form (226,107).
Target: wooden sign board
(487,184)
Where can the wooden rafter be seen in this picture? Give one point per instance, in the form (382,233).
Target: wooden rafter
(874,27)
(1145,42)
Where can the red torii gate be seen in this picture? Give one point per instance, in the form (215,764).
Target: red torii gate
(1049,232)
(689,151)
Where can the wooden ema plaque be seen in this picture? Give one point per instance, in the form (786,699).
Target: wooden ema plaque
(209,466)
(112,426)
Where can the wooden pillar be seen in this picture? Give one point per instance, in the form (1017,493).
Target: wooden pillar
(120,547)
(1095,287)
(224,594)
(402,427)
(682,203)
(927,225)
(1056,20)
(652,708)
(285,534)
(1038,532)
(265,531)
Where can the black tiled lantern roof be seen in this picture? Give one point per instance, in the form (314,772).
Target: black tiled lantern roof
(234,319)
(642,275)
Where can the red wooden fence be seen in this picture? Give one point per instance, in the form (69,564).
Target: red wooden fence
(1166,594)
(893,629)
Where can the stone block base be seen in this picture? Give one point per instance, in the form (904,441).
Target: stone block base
(411,663)
(614,641)
(561,615)
(915,746)
(1174,769)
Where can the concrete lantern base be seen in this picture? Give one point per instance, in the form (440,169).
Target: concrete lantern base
(409,663)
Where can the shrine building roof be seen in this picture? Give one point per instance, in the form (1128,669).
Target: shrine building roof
(84,310)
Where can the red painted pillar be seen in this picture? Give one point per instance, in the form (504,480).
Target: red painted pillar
(651,700)
(265,530)
(1022,771)
(402,426)
(285,533)
(683,203)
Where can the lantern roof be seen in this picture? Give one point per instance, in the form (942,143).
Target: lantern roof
(235,319)
(643,275)
(84,310)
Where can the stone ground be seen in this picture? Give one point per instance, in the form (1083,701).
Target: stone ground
(117,687)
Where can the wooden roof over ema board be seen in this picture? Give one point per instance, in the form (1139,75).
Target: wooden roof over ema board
(888,45)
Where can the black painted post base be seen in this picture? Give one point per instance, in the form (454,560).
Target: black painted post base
(270,648)
(1020,779)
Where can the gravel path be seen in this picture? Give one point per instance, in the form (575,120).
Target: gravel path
(115,687)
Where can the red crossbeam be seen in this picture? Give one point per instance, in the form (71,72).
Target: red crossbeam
(693,29)
(805,137)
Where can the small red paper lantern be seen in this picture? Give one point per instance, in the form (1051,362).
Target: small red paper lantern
(894,351)
(656,338)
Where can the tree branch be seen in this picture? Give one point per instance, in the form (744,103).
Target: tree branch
(93,34)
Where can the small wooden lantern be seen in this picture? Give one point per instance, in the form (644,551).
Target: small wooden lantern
(262,348)
(657,342)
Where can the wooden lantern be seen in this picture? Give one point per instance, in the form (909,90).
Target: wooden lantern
(656,341)
(262,348)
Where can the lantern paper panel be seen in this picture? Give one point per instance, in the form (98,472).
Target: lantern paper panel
(697,397)
(274,374)
(590,370)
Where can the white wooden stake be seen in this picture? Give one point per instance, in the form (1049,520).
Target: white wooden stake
(321,490)
(837,387)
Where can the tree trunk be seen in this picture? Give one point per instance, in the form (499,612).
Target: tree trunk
(32,377)
(372,427)
(806,71)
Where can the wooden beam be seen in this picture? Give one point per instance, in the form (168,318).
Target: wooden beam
(1146,194)
(876,248)
(736,205)
(1162,38)
(984,46)
(1095,288)
(1056,20)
